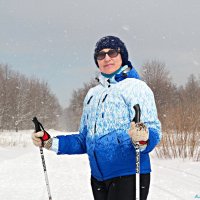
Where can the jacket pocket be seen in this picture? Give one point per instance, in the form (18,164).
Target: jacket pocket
(123,137)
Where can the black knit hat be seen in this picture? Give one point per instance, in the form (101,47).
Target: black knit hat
(111,42)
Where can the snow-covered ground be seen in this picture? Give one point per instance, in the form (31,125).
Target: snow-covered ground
(21,175)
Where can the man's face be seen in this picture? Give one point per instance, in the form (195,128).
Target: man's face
(109,64)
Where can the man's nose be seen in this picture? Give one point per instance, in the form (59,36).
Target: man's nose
(107,57)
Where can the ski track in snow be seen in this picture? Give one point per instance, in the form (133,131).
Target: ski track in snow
(167,193)
(22,176)
(196,178)
(171,180)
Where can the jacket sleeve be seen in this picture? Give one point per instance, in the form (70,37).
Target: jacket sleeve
(72,144)
(150,118)
(144,96)
(75,143)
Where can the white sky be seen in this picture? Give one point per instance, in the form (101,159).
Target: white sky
(54,40)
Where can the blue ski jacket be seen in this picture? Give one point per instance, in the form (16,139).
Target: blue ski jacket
(103,135)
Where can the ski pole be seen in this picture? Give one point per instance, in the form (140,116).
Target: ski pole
(39,127)
(137,151)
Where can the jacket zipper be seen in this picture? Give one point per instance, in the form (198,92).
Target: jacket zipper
(95,128)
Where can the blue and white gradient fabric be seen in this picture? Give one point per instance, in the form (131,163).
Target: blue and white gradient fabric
(103,135)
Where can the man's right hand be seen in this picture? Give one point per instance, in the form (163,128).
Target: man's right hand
(42,139)
(37,138)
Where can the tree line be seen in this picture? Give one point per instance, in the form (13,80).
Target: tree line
(22,98)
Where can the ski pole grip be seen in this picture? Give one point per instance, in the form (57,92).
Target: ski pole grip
(39,127)
(137,113)
(37,124)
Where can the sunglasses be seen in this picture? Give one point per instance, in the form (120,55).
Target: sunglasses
(112,53)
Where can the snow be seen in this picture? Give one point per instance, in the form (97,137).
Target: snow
(22,177)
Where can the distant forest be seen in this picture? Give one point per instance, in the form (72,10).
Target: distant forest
(22,98)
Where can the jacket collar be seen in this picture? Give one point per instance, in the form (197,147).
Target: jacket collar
(125,72)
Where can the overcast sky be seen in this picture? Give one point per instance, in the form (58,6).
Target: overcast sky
(54,39)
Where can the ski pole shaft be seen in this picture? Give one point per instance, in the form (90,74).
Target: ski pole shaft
(137,152)
(45,173)
(38,127)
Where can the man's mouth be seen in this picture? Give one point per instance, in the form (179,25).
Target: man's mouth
(108,65)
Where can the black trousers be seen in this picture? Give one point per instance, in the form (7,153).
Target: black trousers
(120,188)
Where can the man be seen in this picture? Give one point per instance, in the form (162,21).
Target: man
(107,133)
